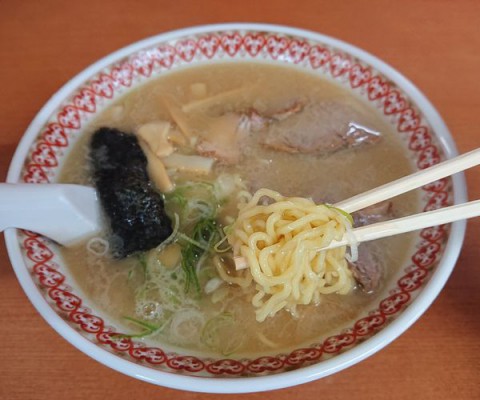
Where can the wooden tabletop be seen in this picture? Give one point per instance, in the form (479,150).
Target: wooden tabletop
(435,43)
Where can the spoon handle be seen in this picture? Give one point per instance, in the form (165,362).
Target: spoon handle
(64,213)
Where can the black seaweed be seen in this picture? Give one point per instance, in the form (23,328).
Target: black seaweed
(130,201)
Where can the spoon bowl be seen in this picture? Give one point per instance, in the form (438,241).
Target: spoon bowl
(65,213)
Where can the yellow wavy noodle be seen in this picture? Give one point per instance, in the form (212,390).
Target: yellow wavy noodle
(280,241)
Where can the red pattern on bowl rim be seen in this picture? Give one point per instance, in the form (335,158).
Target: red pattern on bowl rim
(65,125)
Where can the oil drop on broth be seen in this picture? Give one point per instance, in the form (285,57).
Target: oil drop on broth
(149,288)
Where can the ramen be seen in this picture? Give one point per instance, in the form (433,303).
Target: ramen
(213,136)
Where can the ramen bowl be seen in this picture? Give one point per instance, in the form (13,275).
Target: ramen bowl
(43,149)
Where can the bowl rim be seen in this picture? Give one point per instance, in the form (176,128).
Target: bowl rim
(243,384)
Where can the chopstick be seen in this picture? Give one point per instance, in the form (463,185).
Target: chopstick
(408,224)
(403,185)
(410,182)
(402,225)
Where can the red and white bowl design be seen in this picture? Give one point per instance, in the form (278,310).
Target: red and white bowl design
(56,128)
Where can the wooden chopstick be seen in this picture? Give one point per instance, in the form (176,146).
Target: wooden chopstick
(402,225)
(403,185)
(409,224)
(410,182)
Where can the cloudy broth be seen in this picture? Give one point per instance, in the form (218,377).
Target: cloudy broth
(224,323)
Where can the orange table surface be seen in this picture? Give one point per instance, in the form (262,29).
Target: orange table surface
(435,43)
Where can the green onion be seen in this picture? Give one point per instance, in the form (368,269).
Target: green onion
(220,333)
(142,259)
(191,241)
(218,246)
(204,235)
(149,329)
(197,205)
(347,215)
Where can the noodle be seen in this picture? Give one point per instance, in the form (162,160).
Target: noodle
(281,243)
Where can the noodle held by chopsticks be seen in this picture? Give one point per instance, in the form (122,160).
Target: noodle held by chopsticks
(280,241)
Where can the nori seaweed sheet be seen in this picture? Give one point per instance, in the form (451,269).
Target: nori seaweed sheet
(129,199)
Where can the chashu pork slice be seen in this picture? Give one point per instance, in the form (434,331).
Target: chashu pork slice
(368,270)
(223,139)
(321,128)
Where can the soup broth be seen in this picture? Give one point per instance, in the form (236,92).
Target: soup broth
(145,293)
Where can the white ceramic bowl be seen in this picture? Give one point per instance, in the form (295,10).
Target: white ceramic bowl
(48,139)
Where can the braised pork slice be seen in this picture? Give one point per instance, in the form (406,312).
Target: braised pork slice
(226,134)
(222,141)
(376,213)
(315,128)
(320,128)
(368,270)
